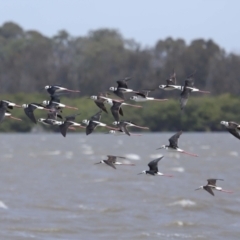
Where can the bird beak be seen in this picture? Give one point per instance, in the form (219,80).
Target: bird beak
(140,173)
(97,163)
(159,148)
(198,188)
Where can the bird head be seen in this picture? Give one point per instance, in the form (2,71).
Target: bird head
(112,131)
(133,98)
(93,97)
(162,147)
(47,87)
(41,119)
(162,86)
(142,172)
(45,102)
(85,121)
(24,105)
(112,89)
(99,162)
(224,123)
(115,123)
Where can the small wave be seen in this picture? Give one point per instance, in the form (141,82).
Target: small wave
(87,149)
(133,156)
(181,224)
(183,203)
(158,155)
(205,147)
(83,207)
(53,153)
(234,154)
(178,169)
(3,205)
(180,235)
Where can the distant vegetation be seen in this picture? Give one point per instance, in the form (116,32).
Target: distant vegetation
(201,113)
(92,63)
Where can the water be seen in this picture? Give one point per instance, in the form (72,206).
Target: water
(51,189)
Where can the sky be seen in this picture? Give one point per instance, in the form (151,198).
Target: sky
(145,21)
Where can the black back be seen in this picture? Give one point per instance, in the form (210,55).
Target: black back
(173,141)
(153,165)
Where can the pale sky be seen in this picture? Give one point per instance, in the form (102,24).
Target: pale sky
(145,21)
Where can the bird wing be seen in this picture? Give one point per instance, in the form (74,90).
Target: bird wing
(90,127)
(153,165)
(184,97)
(97,116)
(142,94)
(55,98)
(63,128)
(111,158)
(120,111)
(233,125)
(174,139)
(72,117)
(119,93)
(122,83)
(189,82)
(101,105)
(172,80)
(234,132)
(109,164)
(29,112)
(208,189)
(123,128)
(2,114)
(213,181)
(115,110)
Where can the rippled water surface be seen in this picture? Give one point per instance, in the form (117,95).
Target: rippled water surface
(51,189)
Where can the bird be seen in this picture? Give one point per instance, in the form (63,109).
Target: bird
(232,127)
(69,122)
(116,107)
(187,89)
(173,145)
(122,125)
(55,103)
(142,96)
(171,83)
(51,118)
(122,88)
(112,161)
(29,110)
(94,122)
(56,88)
(4,106)
(99,101)
(153,168)
(211,185)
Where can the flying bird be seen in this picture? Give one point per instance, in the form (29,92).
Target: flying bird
(211,185)
(153,168)
(112,161)
(56,89)
(173,145)
(142,96)
(232,127)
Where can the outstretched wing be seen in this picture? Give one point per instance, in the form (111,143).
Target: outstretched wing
(234,132)
(90,127)
(153,165)
(174,139)
(29,112)
(64,127)
(172,80)
(208,189)
(101,105)
(97,116)
(72,117)
(213,181)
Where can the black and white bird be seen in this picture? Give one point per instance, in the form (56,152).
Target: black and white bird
(171,83)
(211,185)
(116,107)
(4,106)
(153,168)
(56,89)
(187,89)
(51,118)
(69,123)
(54,103)
(29,110)
(173,145)
(112,161)
(122,126)
(100,100)
(94,122)
(122,88)
(142,96)
(232,127)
